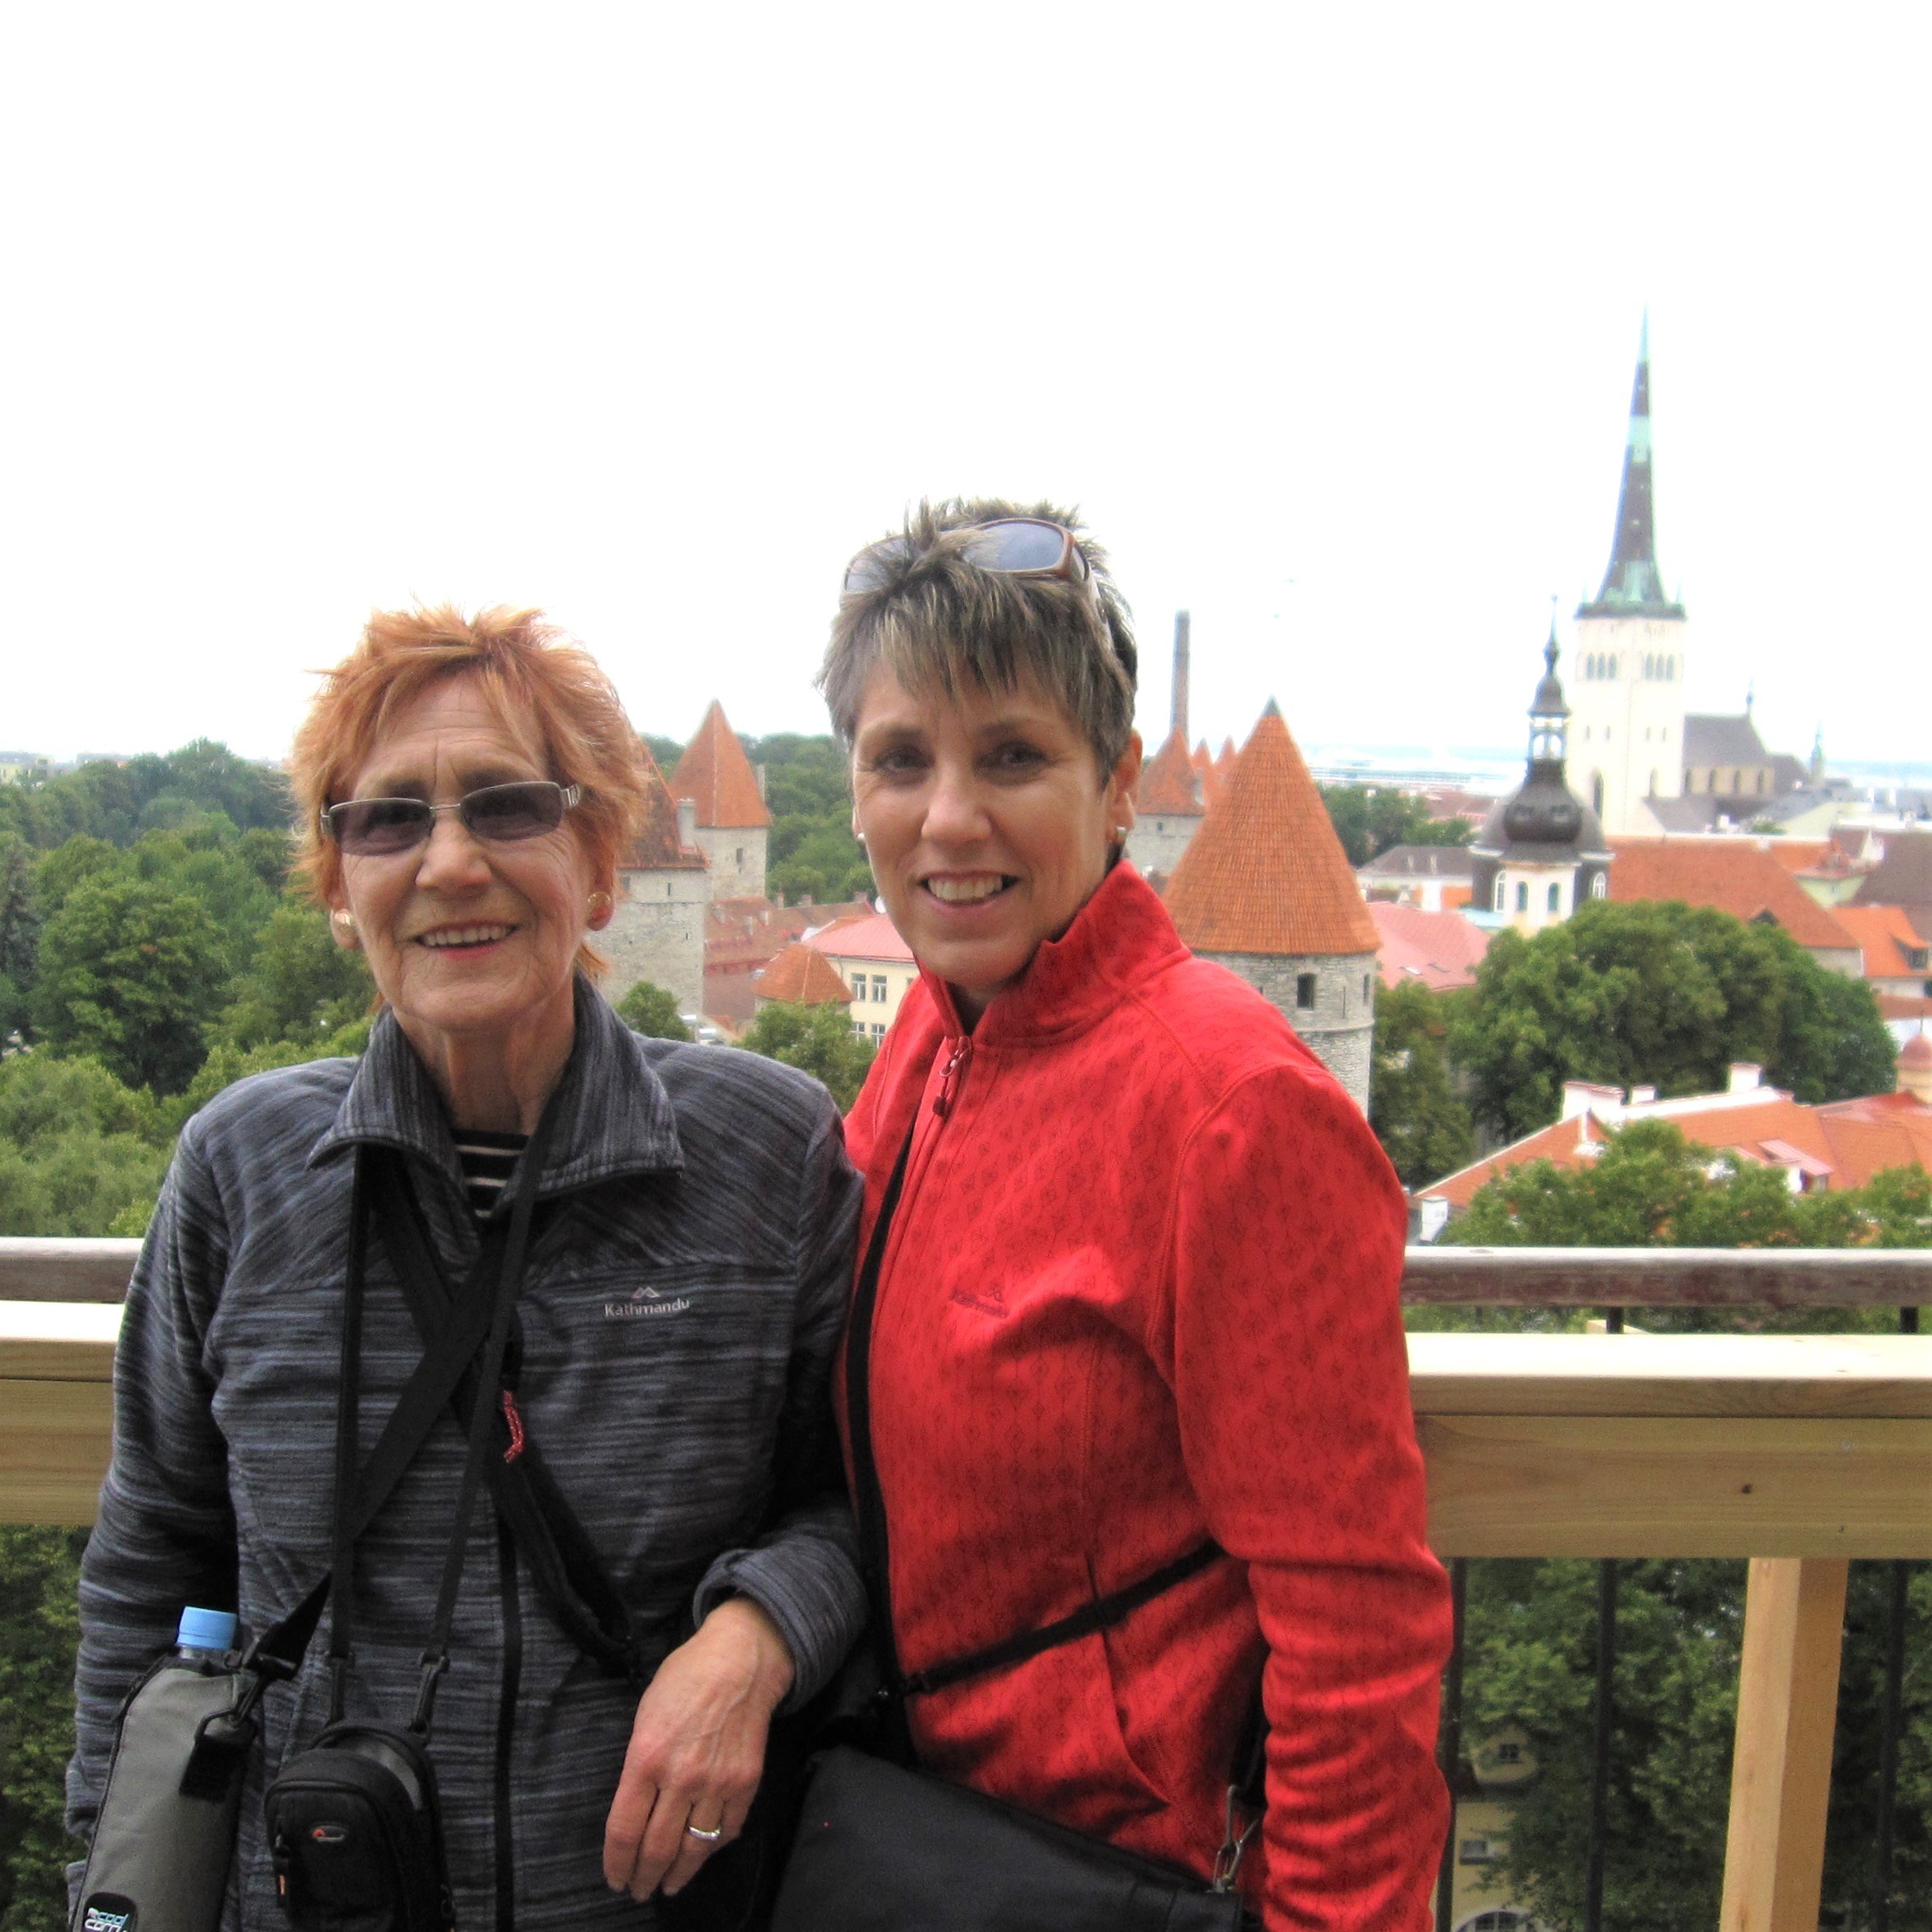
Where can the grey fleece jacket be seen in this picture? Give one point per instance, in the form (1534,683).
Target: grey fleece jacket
(680,1308)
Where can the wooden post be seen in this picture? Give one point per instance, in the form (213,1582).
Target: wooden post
(1781,1777)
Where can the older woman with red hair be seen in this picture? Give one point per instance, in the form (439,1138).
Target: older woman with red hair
(672,1561)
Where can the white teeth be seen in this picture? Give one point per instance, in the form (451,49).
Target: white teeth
(465,935)
(964,891)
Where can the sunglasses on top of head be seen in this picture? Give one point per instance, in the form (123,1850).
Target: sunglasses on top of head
(499,815)
(1014,546)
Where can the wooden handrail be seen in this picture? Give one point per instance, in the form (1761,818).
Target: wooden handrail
(34,1269)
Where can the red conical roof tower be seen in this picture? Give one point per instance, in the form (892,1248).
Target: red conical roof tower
(718,777)
(1266,873)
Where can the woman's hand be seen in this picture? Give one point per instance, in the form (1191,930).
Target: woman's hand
(696,1750)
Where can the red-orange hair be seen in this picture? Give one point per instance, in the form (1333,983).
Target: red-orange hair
(536,678)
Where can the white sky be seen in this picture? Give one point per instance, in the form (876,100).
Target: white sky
(652,315)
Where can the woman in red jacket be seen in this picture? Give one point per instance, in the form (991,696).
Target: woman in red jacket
(1138,1292)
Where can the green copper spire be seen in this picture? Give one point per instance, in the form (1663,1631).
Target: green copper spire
(1633,586)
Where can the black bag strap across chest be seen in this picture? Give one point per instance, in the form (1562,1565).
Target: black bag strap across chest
(566,1568)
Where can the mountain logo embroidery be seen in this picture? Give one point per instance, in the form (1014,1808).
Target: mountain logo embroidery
(642,1303)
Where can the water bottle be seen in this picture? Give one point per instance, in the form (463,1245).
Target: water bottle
(166,1834)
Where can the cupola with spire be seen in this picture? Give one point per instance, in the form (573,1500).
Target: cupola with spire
(1541,851)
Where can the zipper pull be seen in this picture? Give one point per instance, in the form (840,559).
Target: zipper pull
(942,1101)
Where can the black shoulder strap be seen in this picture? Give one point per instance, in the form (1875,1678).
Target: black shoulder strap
(565,1565)
(869,1503)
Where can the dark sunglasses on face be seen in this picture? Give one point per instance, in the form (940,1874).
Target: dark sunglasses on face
(1015,546)
(372,827)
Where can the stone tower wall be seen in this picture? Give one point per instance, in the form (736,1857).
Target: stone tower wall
(1623,728)
(657,934)
(1340,1028)
(1156,840)
(732,878)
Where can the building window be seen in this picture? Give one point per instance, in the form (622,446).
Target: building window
(858,987)
(1304,991)
(1522,895)
(878,1032)
(1364,990)
(741,856)
(1556,898)
(878,988)
(1600,886)
(1509,1754)
(1501,889)
(1653,782)
(1597,793)
(1476,1851)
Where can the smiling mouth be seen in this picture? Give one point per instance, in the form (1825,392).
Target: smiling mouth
(464,935)
(969,888)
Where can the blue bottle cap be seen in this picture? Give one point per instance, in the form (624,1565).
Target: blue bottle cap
(206,1629)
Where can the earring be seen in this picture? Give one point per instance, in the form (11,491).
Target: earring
(343,919)
(601,903)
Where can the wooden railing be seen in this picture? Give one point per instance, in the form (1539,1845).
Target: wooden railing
(1800,1453)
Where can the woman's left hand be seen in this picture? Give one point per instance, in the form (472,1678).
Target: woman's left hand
(696,1750)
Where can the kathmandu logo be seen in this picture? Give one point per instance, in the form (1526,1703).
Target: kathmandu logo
(642,1303)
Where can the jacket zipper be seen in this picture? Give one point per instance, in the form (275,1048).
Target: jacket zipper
(954,1074)
(506,1724)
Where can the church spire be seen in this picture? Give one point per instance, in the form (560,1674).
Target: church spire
(1632,585)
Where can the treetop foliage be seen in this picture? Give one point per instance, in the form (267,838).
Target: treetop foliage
(817,1040)
(649,1009)
(1650,1187)
(1371,820)
(1664,995)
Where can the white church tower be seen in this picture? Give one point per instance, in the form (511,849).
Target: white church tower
(1627,678)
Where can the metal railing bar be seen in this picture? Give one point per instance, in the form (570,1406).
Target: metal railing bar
(1449,1751)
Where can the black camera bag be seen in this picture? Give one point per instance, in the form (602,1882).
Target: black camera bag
(356,1837)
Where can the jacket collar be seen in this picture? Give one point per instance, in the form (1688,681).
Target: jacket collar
(1121,937)
(613,1115)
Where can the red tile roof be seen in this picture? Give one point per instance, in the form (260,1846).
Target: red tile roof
(873,937)
(1880,932)
(1205,776)
(1736,876)
(1440,950)
(657,847)
(1265,873)
(1168,783)
(716,775)
(803,974)
(1904,1005)
(1225,758)
(743,933)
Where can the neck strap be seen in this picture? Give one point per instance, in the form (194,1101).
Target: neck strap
(512,1244)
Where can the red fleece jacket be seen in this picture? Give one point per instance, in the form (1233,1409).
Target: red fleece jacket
(1141,1290)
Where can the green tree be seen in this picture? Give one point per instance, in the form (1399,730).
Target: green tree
(130,972)
(19,932)
(1423,1124)
(818,1039)
(77,1148)
(39,1631)
(299,986)
(824,862)
(649,1009)
(57,872)
(1661,994)
(1369,820)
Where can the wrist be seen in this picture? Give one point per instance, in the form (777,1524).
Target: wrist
(772,1670)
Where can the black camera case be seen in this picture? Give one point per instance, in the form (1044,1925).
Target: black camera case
(356,1837)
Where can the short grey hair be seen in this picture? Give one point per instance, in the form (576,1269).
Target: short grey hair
(938,622)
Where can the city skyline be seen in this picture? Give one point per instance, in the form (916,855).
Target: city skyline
(1330,327)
